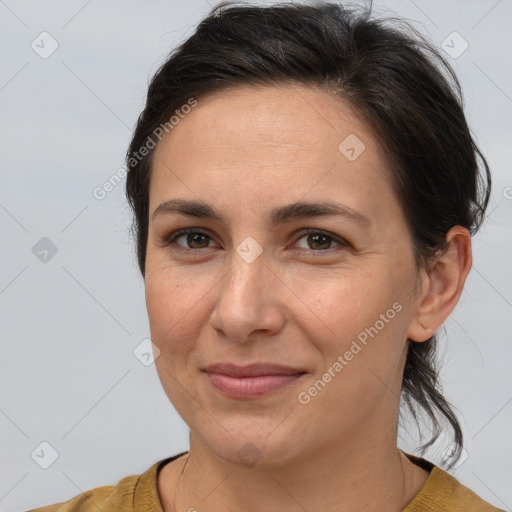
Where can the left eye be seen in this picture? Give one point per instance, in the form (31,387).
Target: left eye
(320,240)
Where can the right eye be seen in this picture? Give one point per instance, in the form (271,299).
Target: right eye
(191,237)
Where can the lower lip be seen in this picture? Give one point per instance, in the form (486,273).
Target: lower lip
(249,387)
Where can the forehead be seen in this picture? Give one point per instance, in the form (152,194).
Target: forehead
(291,140)
(303,117)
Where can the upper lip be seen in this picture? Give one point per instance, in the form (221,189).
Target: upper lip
(252,370)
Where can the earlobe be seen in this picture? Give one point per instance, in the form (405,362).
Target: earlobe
(443,285)
(419,333)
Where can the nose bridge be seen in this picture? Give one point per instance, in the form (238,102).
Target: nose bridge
(244,303)
(246,268)
(243,282)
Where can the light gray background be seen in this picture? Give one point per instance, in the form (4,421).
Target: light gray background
(69,326)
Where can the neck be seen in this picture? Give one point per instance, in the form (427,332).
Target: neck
(363,477)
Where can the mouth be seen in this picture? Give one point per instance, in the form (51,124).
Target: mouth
(252,381)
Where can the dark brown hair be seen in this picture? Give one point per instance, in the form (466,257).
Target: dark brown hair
(393,77)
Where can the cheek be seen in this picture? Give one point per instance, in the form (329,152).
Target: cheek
(160,298)
(340,306)
(173,305)
(360,349)
(177,310)
(360,317)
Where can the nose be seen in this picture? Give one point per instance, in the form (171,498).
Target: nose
(249,301)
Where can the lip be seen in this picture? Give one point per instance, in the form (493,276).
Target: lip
(251,381)
(252,370)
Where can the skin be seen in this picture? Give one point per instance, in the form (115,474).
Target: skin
(301,303)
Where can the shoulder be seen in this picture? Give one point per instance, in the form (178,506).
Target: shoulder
(442,492)
(106,498)
(131,493)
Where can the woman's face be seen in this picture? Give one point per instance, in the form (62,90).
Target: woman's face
(327,294)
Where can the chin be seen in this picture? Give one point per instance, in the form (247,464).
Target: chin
(253,446)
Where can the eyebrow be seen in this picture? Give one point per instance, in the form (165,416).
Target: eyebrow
(278,215)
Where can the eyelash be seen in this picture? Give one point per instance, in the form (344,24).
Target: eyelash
(169,240)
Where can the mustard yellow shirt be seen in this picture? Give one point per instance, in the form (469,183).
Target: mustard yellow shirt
(441,493)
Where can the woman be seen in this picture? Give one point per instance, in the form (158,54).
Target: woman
(305,188)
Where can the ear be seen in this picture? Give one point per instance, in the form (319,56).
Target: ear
(442,285)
